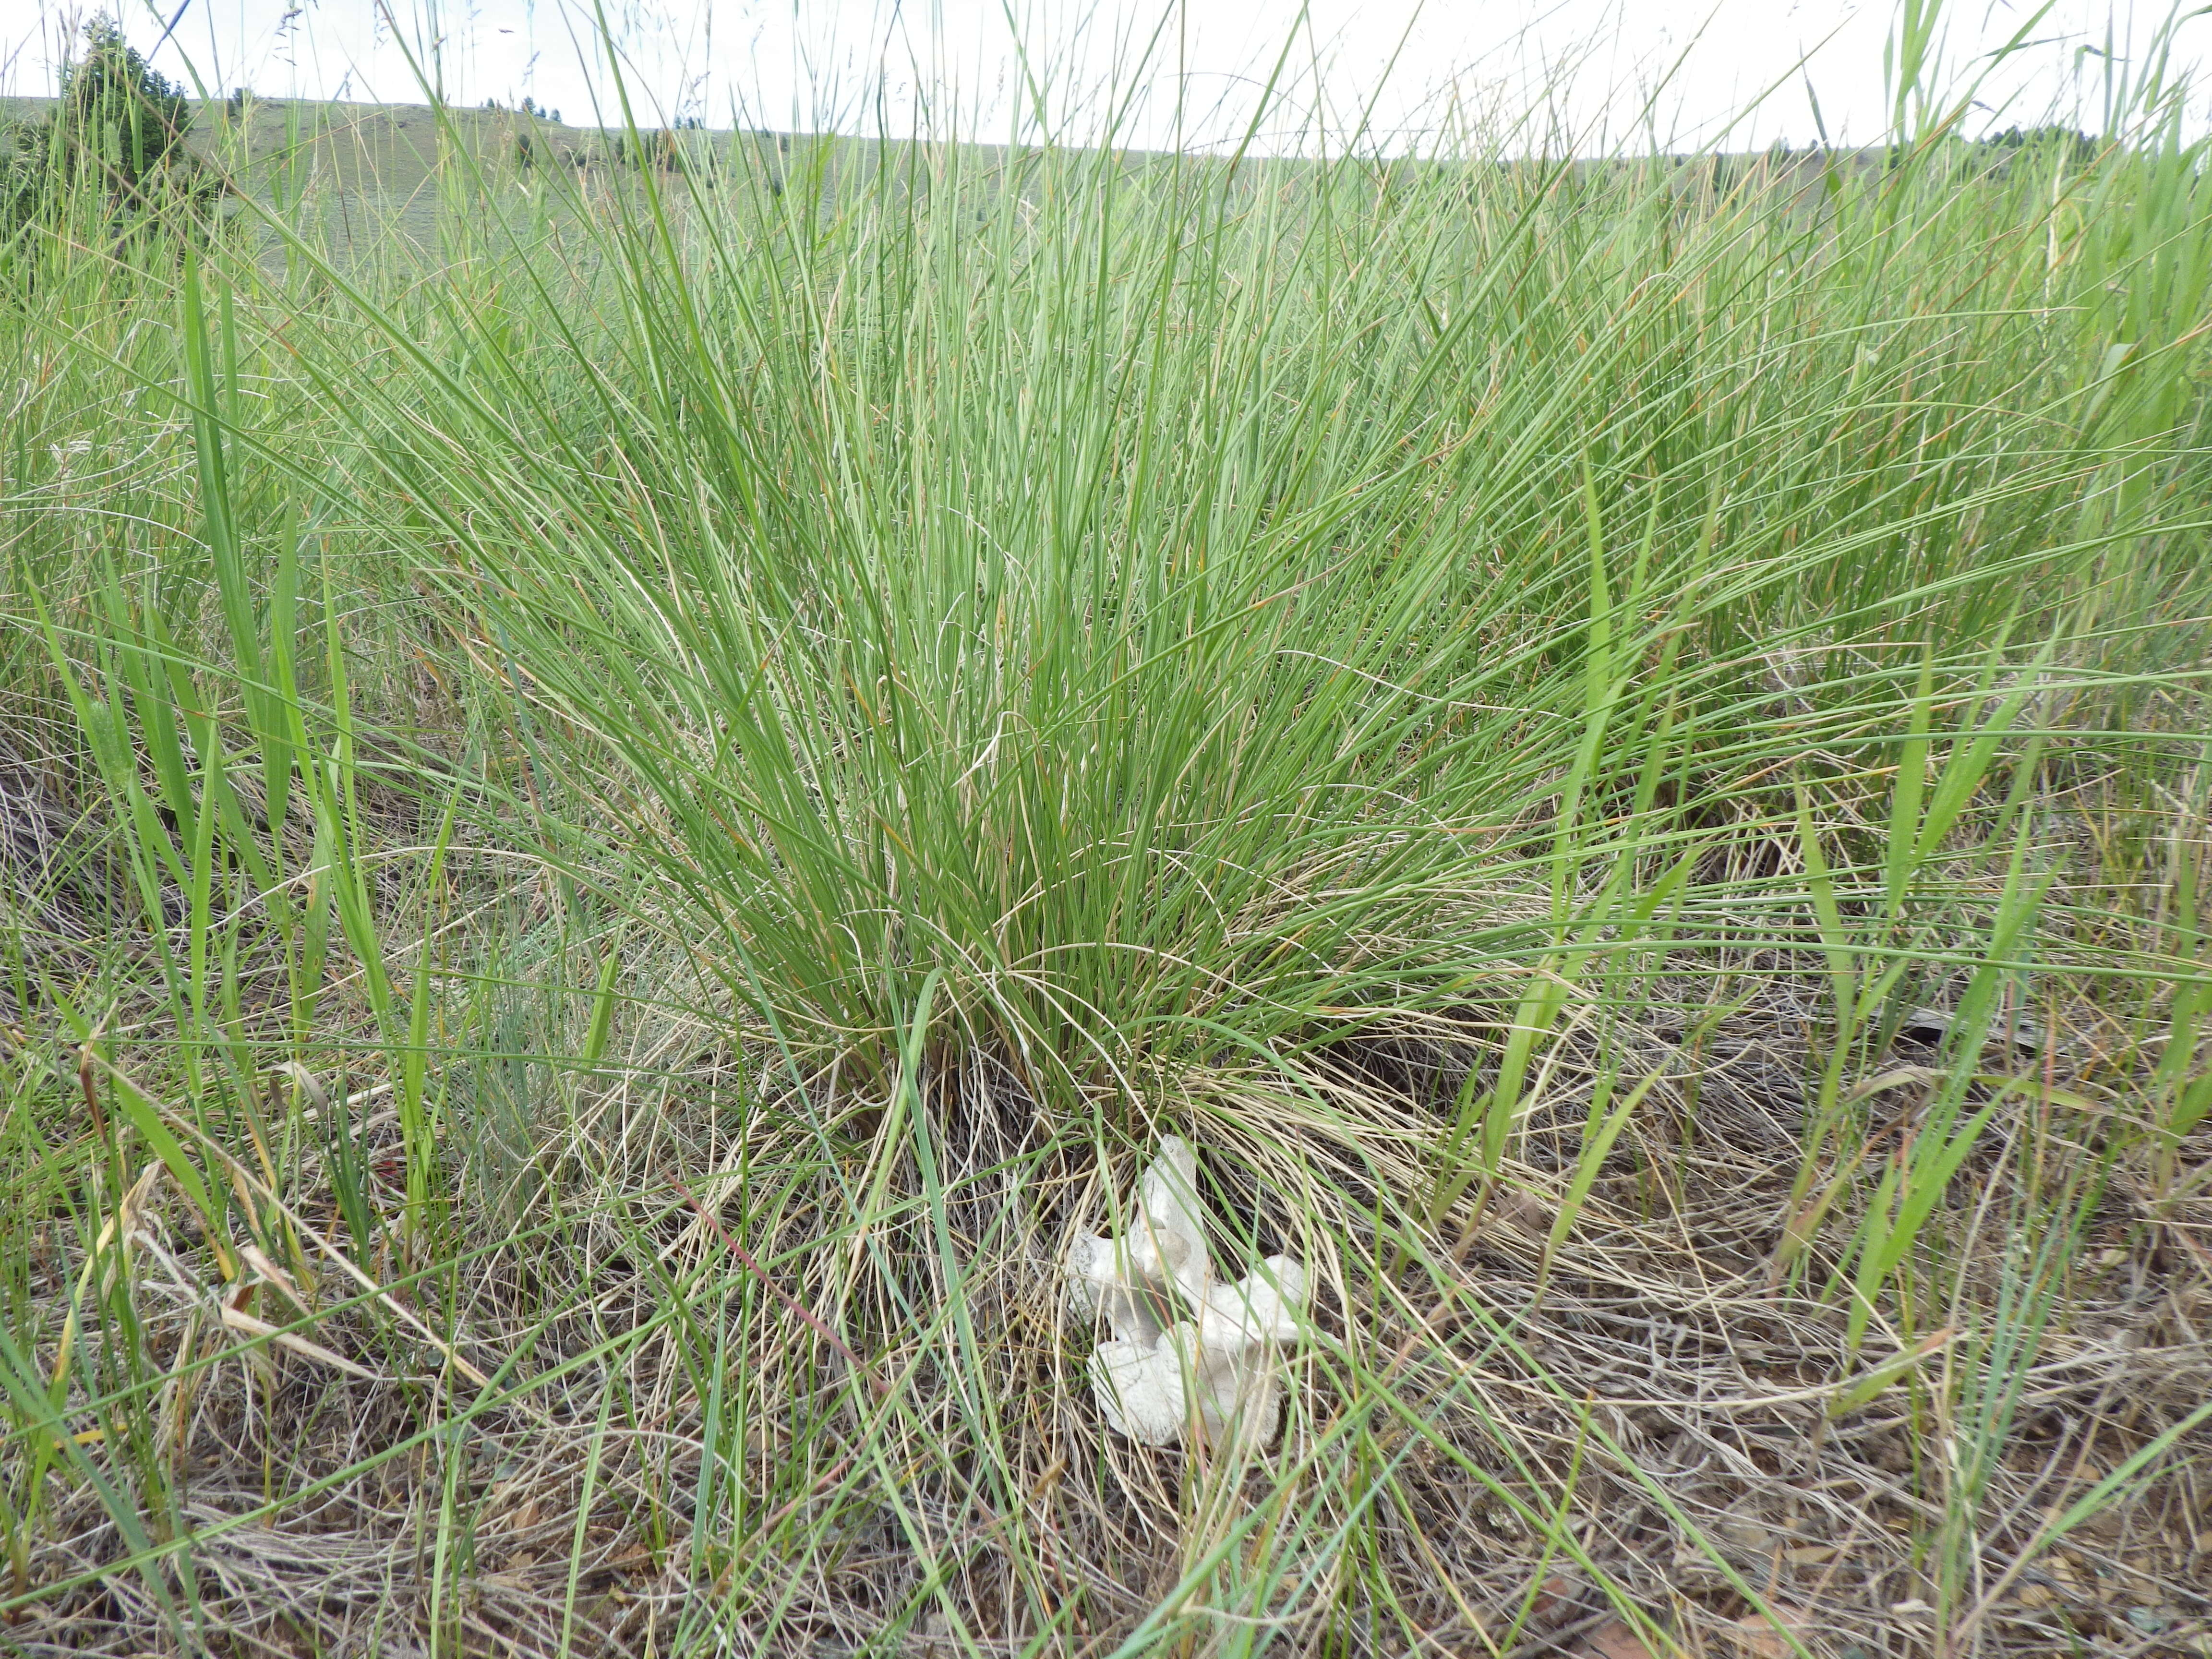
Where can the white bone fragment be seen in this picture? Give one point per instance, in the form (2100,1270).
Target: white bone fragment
(1170,1236)
(1140,1390)
(1261,1307)
(1099,1284)
(1236,1356)
(1223,1360)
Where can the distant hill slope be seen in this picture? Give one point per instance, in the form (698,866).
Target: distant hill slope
(367,171)
(369,168)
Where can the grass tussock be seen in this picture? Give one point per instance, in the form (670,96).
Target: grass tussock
(613,837)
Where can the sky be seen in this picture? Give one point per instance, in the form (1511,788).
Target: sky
(1405,73)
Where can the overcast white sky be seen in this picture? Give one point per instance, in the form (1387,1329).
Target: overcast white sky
(1684,71)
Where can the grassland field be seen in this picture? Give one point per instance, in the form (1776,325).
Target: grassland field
(629,795)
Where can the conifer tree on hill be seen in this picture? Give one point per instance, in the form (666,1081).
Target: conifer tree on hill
(112,153)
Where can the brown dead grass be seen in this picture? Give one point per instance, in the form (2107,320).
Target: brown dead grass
(1655,1394)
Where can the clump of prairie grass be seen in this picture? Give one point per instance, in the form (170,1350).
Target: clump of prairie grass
(1619,745)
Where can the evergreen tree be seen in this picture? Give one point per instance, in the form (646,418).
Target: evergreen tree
(113,147)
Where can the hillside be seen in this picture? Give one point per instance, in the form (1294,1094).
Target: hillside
(370,169)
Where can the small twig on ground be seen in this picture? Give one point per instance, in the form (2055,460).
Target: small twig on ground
(860,1368)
